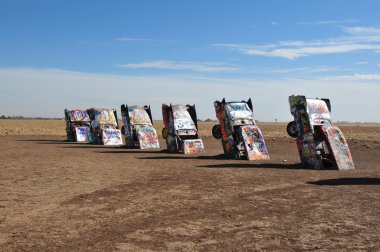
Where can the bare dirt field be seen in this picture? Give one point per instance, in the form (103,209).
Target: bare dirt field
(60,196)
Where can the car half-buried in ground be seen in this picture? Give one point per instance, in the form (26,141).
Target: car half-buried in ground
(138,127)
(104,126)
(77,125)
(181,129)
(241,137)
(321,145)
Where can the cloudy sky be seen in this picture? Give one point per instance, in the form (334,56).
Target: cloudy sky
(78,54)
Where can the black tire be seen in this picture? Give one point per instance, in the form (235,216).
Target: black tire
(164,133)
(217,132)
(292,129)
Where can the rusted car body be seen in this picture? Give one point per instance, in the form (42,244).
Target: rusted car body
(240,135)
(77,125)
(181,129)
(321,145)
(104,126)
(138,127)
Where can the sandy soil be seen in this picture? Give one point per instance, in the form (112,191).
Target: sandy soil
(59,196)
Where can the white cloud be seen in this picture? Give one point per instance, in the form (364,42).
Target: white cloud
(192,66)
(274,23)
(357,77)
(355,39)
(362,63)
(46,92)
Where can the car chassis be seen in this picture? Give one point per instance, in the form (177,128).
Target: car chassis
(321,145)
(241,137)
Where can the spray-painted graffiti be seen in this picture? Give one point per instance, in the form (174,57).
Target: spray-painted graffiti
(147,136)
(241,138)
(82,133)
(112,137)
(193,146)
(180,129)
(254,143)
(77,125)
(104,127)
(138,127)
(320,144)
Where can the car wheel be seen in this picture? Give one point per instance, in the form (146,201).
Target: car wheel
(164,133)
(292,129)
(217,132)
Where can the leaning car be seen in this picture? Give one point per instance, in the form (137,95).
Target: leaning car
(321,145)
(241,137)
(138,127)
(104,126)
(181,129)
(77,125)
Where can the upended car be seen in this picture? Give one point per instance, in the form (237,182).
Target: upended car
(138,127)
(240,135)
(181,129)
(104,126)
(77,125)
(321,145)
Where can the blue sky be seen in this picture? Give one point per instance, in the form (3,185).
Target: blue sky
(57,54)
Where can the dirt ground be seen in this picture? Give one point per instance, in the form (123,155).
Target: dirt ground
(60,196)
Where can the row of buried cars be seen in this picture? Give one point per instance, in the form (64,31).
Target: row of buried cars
(321,145)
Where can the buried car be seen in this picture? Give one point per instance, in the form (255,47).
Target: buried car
(138,127)
(104,126)
(77,125)
(181,129)
(321,145)
(241,137)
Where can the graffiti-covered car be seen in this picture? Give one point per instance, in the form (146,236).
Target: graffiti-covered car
(241,137)
(181,129)
(77,125)
(138,127)
(104,127)
(321,145)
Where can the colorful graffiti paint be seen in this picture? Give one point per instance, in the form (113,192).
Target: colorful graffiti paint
(82,134)
(138,127)
(320,144)
(180,127)
(254,143)
(193,146)
(77,125)
(240,136)
(147,137)
(79,116)
(111,137)
(105,117)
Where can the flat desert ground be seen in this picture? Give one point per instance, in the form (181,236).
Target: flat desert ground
(60,196)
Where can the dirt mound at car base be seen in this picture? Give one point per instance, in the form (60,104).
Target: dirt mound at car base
(73,197)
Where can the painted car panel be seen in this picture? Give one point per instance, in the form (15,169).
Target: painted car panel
(104,127)
(82,133)
(182,131)
(138,127)
(241,137)
(111,137)
(255,148)
(193,146)
(77,125)
(320,144)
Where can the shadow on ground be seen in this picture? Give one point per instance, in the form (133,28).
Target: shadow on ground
(346,181)
(267,166)
(181,156)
